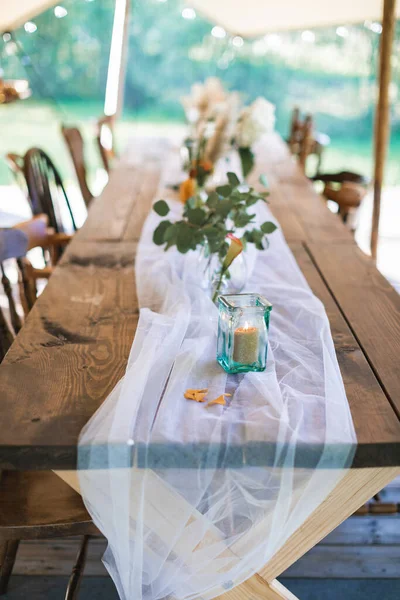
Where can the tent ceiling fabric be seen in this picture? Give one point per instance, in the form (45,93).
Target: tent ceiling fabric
(250,18)
(14,13)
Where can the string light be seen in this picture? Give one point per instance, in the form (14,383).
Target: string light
(237,41)
(218,32)
(342,32)
(376,27)
(189,13)
(6,37)
(308,36)
(30,27)
(60,12)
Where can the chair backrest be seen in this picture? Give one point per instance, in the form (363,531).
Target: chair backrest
(15,243)
(46,190)
(106,140)
(306,141)
(295,126)
(74,140)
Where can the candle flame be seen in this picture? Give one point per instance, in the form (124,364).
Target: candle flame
(246,326)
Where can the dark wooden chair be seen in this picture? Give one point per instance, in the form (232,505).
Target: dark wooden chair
(45,188)
(37,176)
(38,504)
(106,140)
(74,140)
(346,189)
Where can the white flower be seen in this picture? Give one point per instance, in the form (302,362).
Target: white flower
(255,121)
(204,98)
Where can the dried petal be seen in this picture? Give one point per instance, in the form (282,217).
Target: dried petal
(198,395)
(220,400)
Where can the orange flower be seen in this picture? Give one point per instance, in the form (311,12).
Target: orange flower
(233,251)
(205,165)
(187,190)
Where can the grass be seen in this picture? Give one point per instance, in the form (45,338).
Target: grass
(31,123)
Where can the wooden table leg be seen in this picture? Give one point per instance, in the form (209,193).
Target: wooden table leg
(356,487)
(256,588)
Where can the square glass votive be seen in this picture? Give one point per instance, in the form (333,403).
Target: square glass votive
(243,332)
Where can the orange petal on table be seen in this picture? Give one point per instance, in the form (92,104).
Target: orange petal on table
(197,395)
(220,400)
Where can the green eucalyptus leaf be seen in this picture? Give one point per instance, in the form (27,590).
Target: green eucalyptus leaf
(247,160)
(190,203)
(160,231)
(196,216)
(242,219)
(161,208)
(268,227)
(259,245)
(224,190)
(233,179)
(264,181)
(224,207)
(212,200)
(248,236)
(184,237)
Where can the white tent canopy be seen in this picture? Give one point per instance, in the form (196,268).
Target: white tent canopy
(244,17)
(250,18)
(14,13)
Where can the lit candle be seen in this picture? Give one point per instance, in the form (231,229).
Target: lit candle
(245,345)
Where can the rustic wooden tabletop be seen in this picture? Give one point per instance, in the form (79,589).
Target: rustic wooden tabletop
(74,346)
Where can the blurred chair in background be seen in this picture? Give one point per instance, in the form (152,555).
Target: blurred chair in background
(304,141)
(42,185)
(46,190)
(74,140)
(106,140)
(347,190)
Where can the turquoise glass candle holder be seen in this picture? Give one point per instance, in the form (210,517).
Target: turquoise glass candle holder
(243,332)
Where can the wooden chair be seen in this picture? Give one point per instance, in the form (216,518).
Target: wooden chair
(45,188)
(38,504)
(74,140)
(39,179)
(35,234)
(346,189)
(295,128)
(106,140)
(303,141)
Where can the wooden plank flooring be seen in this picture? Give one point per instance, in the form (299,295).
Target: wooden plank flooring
(362,547)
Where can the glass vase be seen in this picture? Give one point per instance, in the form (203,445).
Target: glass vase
(243,332)
(214,281)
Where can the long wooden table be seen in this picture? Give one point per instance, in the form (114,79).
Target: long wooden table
(74,346)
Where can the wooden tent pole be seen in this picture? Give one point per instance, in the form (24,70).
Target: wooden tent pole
(382,116)
(118,56)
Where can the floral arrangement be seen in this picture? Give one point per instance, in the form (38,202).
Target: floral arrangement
(203,98)
(254,121)
(214,221)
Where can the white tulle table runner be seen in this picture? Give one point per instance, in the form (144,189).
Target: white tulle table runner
(195,500)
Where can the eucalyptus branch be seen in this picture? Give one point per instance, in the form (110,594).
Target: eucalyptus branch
(207,220)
